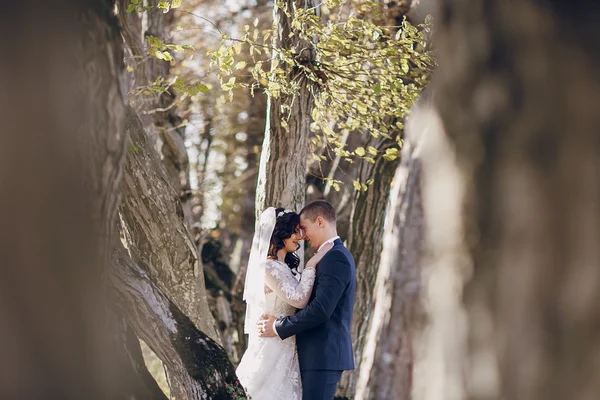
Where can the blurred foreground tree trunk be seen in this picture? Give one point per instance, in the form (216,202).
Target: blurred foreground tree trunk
(517,92)
(68,137)
(61,154)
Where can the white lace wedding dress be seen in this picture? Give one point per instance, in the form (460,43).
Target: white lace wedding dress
(269,369)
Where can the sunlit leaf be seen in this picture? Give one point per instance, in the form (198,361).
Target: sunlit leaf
(360,151)
(163,5)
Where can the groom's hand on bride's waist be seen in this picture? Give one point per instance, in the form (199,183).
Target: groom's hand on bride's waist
(266,326)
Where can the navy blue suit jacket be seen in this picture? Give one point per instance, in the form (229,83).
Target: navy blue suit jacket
(322,328)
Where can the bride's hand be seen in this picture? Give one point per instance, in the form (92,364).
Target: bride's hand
(312,263)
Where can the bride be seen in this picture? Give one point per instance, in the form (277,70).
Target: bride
(269,368)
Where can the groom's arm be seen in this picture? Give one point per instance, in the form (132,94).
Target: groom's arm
(333,274)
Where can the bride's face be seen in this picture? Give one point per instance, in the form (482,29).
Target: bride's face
(291,243)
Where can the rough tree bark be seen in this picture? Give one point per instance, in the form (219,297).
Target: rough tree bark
(198,367)
(282,172)
(61,155)
(365,242)
(518,89)
(152,221)
(386,367)
(159,116)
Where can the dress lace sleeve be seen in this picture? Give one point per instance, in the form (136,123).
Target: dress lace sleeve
(279,278)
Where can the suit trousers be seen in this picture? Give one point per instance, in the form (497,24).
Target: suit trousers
(319,384)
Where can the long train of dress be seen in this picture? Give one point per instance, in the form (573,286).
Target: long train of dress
(269,369)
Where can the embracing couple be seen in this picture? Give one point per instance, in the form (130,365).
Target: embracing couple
(298,322)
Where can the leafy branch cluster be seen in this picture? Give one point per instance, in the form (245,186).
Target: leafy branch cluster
(157,48)
(368,76)
(165,6)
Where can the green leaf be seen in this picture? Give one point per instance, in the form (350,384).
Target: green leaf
(360,151)
(179,82)
(328,131)
(404,65)
(202,88)
(391,154)
(130,8)
(361,107)
(356,185)
(175,3)
(377,88)
(315,113)
(163,5)
(229,85)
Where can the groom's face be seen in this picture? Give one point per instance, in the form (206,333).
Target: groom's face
(312,232)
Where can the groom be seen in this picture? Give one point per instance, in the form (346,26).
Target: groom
(322,329)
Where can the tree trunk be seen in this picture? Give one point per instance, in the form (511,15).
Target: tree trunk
(159,117)
(61,156)
(153,225)
(197,366)
(365,242)
(518,97)
(282,172)
(136,58)
(131,29)
(386,367)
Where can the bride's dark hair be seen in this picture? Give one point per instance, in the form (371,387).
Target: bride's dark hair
(285,226)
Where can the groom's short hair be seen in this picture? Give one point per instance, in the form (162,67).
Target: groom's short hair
(319,207)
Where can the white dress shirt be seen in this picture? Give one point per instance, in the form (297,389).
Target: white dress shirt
(330,240)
